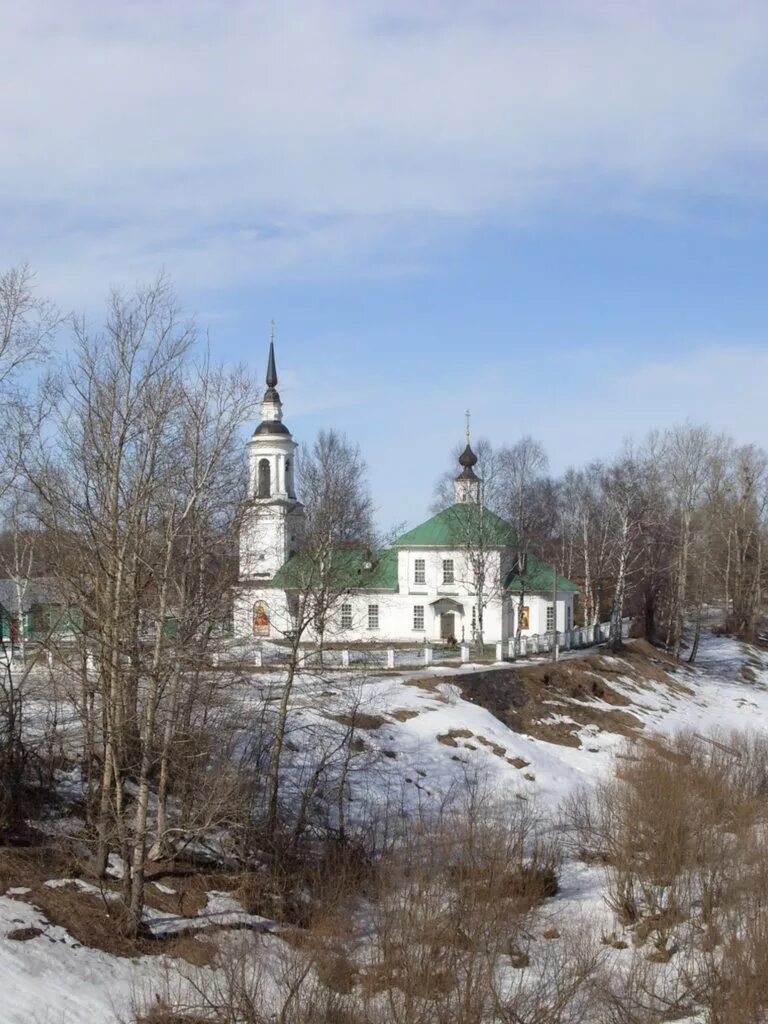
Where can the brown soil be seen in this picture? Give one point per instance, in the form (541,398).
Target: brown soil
(526,698)
(448,739)
(360,721)
(98,920)
(518,762)
(495,748)
(404,714)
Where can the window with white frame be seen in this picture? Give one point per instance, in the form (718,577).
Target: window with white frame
(550,618)
(418,616)
(419,571)
(568,617)
(346,616)
(448,576)
(373,616)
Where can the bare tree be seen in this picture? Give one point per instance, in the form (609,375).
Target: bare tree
(623,490)
(689,456)
(129,490)
(27,324)
(522,466)
(335,547)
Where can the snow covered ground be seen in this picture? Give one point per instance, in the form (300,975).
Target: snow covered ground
(422,743)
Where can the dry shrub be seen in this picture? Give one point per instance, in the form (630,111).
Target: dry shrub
(310,883)
(454,902)
(679,828)
(423,935)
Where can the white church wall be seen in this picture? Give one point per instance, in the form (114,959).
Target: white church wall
(537,605)
(382,617)
(269,533)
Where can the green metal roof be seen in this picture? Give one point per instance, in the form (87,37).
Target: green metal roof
(538,579)
(461,525)
(344,570)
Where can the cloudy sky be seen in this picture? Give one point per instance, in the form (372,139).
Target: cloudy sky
(553,213)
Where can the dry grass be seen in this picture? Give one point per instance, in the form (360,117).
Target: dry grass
(448,739)
(360,720)
(525,698)
(404,714)
(98,920)
(681,829)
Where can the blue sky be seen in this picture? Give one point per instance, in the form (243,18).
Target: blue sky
(554,213)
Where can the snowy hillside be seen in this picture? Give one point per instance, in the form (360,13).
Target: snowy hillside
(420,739)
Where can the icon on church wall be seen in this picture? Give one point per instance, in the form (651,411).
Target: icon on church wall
(525,617)
(260,620)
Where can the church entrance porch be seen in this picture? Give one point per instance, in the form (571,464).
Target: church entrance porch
(449,616)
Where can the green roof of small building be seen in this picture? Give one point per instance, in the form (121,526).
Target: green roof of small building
(538,579)
(346,570)
(465,524)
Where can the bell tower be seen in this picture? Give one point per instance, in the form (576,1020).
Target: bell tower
(467,483)
(273,520)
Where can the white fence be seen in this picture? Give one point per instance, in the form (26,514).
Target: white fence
(270,655)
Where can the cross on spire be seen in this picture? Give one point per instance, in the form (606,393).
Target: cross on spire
(467,414)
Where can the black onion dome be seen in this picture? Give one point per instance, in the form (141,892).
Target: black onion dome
(271,427)
(467,460)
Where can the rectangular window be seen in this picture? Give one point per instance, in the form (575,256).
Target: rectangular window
(448,570)
(373,616)
(550,618)
(568,617)
(419,571)
(418,616)
(346,616)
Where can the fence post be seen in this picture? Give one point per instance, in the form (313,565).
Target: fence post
(523,646)
(511,648)
(427,654)
(345,658)
(390,657)
(258,658)
(465,653)
(499,651)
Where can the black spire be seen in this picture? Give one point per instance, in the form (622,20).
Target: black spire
(271,408)
(271,368)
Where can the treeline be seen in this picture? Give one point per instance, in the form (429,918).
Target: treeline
(670,525)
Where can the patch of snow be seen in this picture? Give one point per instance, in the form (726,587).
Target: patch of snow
(115,866)
(53,978)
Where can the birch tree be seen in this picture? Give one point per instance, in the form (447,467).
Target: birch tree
(522,466)
(337,540)
(139,443)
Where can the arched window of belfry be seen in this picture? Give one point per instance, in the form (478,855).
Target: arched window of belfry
(264,479)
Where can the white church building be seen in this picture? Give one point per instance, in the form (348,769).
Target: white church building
(449,579)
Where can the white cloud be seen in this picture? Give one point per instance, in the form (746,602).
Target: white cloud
(244,140)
